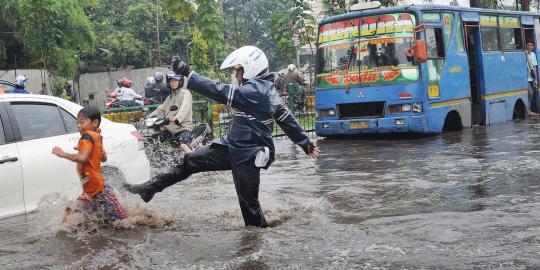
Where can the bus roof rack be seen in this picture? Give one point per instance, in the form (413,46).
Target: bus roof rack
(366,5)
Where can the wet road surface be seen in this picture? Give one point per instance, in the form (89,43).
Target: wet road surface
(463,200)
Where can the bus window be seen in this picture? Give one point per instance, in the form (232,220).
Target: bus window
(434,43)
(490,39)
(459,37)
(511,39)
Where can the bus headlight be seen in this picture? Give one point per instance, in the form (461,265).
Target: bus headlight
(406,107)
(326,113)
(417,107)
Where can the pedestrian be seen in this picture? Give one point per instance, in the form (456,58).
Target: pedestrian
(532,77)
(98,197)
(249,146)
(43,90)
(68,93)
(20,84)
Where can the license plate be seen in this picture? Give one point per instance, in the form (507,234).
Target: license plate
(359,125)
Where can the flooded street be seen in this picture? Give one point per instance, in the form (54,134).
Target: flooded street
(464,200)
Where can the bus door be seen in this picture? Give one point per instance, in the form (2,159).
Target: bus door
(472,41)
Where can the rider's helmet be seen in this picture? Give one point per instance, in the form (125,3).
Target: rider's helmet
(159,77)
(150,80)
(21,81)
(126,83)
(173,76)
(119,82)
(291,67)
(251,58)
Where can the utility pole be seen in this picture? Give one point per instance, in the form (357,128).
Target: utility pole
(157,32)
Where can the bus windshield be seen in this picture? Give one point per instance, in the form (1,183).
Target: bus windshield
(366,51)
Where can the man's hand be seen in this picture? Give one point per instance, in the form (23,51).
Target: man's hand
(314,152)
(57,151)
(535,84)
(180,67)
(172,119)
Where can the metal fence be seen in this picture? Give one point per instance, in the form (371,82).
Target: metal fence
(218,115)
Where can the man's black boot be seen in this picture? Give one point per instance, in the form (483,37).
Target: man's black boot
(158,183)
(145,190)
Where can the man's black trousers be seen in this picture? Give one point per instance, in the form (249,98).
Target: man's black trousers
(216,158)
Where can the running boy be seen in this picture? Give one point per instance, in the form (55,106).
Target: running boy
(97,197)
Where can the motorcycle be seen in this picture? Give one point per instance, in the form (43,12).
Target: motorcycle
(158,148)
(114,102)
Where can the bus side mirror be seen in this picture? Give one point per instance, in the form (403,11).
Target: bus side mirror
(420,51)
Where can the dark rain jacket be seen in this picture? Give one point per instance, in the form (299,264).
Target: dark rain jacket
(256,105)
(158,91)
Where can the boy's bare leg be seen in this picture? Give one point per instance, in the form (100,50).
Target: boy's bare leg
(185,148)
(67,213)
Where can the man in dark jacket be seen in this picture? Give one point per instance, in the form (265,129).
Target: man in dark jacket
(249,145)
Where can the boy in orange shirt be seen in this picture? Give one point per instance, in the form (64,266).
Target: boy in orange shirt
(97,196)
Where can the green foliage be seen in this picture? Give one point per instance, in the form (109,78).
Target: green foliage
(282,32)
(179,10)
(58,85)
(199,55)
(294,22)
(48,33)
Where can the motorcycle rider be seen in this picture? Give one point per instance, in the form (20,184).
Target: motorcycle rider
(293,77)
(20,83)
(249,145)
(149,87)
(160,89)
(180,126)
(117,92)
(128,97)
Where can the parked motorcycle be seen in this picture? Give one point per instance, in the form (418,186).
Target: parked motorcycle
(159,150)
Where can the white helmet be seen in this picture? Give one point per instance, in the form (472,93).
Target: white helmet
(291,67)
(21,80)
(150,80)
(251,58)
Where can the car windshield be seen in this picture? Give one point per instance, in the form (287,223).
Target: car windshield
(366,51)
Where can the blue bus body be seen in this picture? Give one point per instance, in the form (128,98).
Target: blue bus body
(476,72)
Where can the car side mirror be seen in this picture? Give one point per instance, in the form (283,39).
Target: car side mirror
(174,108)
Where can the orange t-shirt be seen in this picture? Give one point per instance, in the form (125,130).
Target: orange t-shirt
(90,171)
(2,91)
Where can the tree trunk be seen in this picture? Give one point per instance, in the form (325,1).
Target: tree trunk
(524,5)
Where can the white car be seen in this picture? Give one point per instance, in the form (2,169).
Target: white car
(30,126)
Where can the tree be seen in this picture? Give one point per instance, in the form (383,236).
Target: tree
(55,32)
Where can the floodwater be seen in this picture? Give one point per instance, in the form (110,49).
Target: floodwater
(464,200)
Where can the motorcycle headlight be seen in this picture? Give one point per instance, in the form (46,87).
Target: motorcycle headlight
(150,122)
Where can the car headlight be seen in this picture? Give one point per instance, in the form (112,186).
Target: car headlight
(326,113)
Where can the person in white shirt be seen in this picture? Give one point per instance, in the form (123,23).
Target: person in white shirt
(128,96)
(532,76)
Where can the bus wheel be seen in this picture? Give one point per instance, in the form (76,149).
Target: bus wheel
(452,122)
(519,110)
